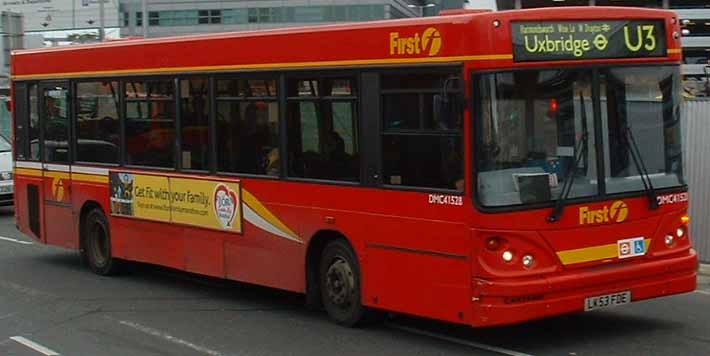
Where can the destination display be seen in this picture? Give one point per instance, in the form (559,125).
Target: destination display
(594,39)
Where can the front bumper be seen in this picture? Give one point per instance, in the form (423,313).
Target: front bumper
(510,301)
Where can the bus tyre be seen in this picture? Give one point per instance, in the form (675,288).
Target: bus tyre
(340,283)
(96,246)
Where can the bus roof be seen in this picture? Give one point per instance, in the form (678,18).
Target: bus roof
(459,37)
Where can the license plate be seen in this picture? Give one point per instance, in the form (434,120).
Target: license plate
(608,300)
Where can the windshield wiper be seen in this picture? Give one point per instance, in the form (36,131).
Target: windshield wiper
(580,151)
(641,167)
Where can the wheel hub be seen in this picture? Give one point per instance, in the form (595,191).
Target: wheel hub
(340,282)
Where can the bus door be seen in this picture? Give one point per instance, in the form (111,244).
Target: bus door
(59,227)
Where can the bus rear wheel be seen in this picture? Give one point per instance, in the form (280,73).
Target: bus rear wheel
(340,283)
(96,246)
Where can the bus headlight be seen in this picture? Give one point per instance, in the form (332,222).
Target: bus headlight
(507,256)
(528,260)
(669,240)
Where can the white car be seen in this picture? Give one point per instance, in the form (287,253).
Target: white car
(7,186)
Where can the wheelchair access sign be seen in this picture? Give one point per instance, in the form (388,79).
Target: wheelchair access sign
(631,247)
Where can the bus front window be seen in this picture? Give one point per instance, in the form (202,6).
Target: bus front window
(536,133)
(641,105)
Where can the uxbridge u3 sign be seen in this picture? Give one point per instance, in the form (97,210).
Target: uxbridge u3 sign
(570,40)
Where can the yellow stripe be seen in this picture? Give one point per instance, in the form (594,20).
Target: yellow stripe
(90,178)
(268,66)
(262,211)
(64,175)
(28,172)
(59,175)
(593,253)
(675,50)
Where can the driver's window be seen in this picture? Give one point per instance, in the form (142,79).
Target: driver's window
(55,122)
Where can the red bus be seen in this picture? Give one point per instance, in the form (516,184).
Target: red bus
(478,167)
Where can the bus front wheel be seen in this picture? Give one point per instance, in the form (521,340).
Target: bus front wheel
(96,246)
(340,283)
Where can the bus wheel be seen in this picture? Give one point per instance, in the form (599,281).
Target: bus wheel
(97,244)
(340,283)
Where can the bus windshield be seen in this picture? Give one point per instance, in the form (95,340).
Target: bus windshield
(538,129)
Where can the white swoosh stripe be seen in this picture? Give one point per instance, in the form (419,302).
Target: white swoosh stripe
(254,218)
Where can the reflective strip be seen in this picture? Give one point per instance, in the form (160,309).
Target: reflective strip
(56,167)
(25,164)
(594,253)
(89,170)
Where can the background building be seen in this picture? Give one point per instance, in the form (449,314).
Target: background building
(11,37)
(201,16)
(696,40)
(52,15)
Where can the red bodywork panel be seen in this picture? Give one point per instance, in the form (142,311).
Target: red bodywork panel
(417,256)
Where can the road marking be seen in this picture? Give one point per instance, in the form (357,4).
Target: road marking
(34,346)
(473,344)
(170,338)
(703,292)
(15,240)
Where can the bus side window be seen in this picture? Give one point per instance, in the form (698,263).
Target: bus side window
(194,111)
(55,122)
(97,122)
(150,123)
(420,148)
(247,126)
(323,129)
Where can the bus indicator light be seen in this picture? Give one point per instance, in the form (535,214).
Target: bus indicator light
(493,243)
(680,232)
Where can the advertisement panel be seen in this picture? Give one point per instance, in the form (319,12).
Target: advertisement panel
(197,202)
(50,15)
